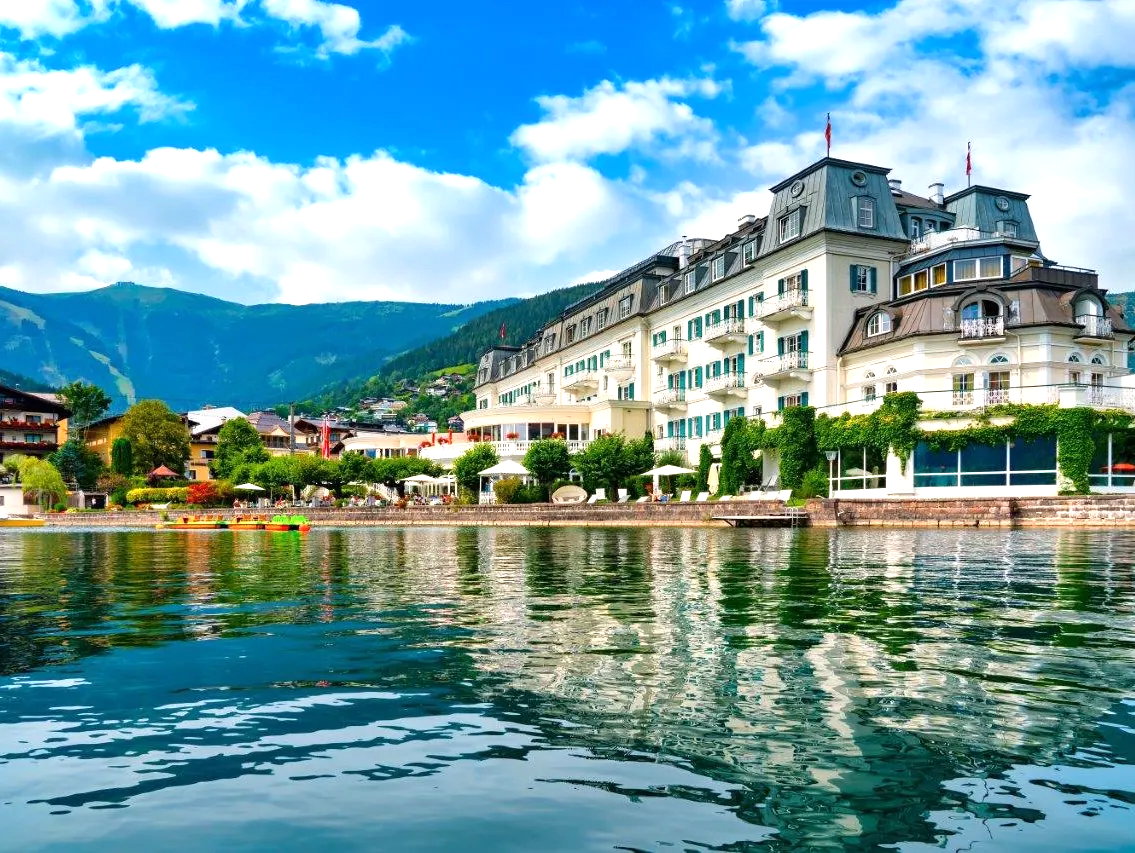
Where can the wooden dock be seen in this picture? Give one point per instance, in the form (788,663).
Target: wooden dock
(792,517)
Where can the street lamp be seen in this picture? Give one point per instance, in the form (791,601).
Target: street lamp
(831,454)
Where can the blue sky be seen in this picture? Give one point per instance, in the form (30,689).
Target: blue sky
(302,150)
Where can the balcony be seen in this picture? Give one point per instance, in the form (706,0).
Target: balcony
(672,350)
(788,305)
(13,423)
(729,331)
(713,436)
(982,330)
(581,382)
(670,398)
(30,446)
(544,398)
(664,445)
(1095,328)
(792,365)
(935,240)
(726,385)
(620,367)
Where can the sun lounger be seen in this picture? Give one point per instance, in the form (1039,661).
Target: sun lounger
(624,496)
(600,495)
(725,498)
(701,498)
(771,485)
(784,495)
(684,497)
(642,500)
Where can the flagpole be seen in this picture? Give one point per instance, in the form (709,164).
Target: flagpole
(828,134)
(969,167)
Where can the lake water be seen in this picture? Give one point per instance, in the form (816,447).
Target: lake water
(518,689)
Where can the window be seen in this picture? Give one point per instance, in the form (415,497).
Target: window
(865,212)
(549,342)
(975,268)
(965,270)
(1099,359)
(625,307)
(915,229)
(1007,227)
(860,468)
(869,394)
(749,252)
(1114,460)
(921,280)
(906,285)
(862,279)
(601,318)
(990,267)
(585,327)
(930,225)
(571,333)
(789,226)
(1012,463)
(793,282)
(938,275)
(661,294)
(717,268)
(878,324)
(1017,263)
(690,281)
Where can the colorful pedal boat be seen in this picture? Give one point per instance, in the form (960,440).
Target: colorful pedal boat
(193,522)
(281,523)
(8,521)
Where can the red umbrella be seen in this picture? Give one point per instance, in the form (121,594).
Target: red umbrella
(163,471)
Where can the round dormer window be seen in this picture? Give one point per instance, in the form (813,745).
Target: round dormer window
(859,178)
(1002,203)
(796,188)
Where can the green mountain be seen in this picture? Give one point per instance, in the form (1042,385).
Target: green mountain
(24,383)
(189,349)
(464,346)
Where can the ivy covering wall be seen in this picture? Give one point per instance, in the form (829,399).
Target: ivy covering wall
(803,436)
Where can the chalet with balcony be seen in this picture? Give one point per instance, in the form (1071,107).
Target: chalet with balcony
(30,423)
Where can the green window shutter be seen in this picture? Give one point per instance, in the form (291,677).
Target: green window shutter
(804,399)
(854,277)
(780,287)
(689,330)
(699,326)
(697,377)
(803,279)
(741,364)
(751,311)
(750,344)
(669,429)
(780,346)
(804,341)
(871,280)
(760,341)
(630,391)
(780,404)
(740,309)
(708,319)
(670,382)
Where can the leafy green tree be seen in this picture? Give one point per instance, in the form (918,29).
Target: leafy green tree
(157,436)
(238,443)
(122,457)
(468,466)
(276,473)
(42,479)
(87,403)
(356,468)
(77,463)
(548,460)
(705,462)
(11,465)
(610,461)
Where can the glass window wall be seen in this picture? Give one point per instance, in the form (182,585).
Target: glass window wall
(1014,463)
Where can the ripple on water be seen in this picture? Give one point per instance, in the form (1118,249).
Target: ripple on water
(568,689)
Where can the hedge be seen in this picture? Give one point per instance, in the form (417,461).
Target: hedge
(154,496)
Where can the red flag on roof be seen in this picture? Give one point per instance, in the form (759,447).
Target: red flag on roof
(828,134)
(969,163)
(325,439)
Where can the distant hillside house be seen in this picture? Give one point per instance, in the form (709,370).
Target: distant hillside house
(204,426)
(29,423)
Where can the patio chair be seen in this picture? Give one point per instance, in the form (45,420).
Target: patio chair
(684,497)
(643,499)
(701,498)
(624,496)
(771,485)
(600,495)
(784,495)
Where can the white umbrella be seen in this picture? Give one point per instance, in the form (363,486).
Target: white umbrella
(665,471)
(418,478)
(508,468)
(248,487)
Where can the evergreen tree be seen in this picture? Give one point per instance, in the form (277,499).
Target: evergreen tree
(122,457)
(705,462)
(76,463)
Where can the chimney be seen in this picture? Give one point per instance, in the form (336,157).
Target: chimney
(747,219)
(684,253)
(896,186)
(936,193)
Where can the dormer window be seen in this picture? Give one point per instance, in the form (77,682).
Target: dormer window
(717,268)
(602,318)
(749,252)
(690,281)
(789,226)
(571,333)
(585,327)
(625,307)
(864,209)
(878,324)
(915,229)
(661,294)
(1007,227)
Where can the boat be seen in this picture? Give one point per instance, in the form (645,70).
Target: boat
(250,522)
(195,522)
(281,523)
(20,521)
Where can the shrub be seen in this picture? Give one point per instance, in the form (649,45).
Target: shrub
(60,507)
(506,489)
(532,494)
(149,495)
(813,485)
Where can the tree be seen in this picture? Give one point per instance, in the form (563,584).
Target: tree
(157,436)
(122,457)
(356,468)
(77,463)
(42,479)
(737,463)
(87,403)
(670,457)
(548,460)
(468,466)
(705,462)
(610,461)
(238,442)
(11,466)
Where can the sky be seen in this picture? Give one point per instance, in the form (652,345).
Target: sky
(307,151)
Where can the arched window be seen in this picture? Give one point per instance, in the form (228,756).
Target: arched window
(999,359)
(963,361)
(878,324)
(1099,359)
(1074,358)
(891,385)
(981,309)
(1087,306)
(891,370)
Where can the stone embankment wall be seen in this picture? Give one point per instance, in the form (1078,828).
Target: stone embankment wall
(1096,511)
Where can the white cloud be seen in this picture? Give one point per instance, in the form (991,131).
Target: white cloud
(608,119)
(745,10)
(171,14)
(54,101)
(1074,32)
(338,24)
(36,18)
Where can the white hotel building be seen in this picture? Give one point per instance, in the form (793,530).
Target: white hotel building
(849,289)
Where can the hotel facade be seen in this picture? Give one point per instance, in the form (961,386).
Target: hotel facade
(851,288)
